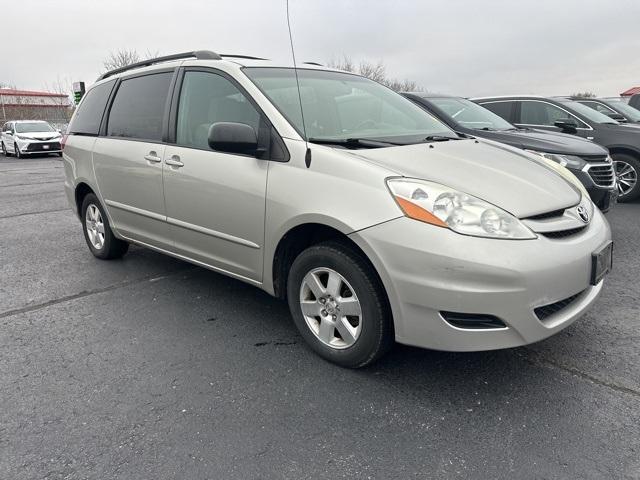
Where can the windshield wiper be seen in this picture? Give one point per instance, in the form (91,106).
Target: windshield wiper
(353,142)
(440,138)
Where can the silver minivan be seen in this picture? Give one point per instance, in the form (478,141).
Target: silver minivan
(373,219)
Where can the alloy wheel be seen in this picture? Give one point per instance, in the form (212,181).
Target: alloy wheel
(627,176)
(94,226)
(331,308)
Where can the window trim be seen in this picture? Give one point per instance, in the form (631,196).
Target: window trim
(107,114)
(265,123)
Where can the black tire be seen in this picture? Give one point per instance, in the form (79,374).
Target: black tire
(634,163)
(4,150)
(16,151)
(112,247)
(376,335)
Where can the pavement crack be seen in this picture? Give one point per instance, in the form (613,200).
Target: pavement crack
(30,184)
(35,213)
(539,359)
(86,293)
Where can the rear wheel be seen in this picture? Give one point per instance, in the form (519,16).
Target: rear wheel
(339,305)
(97,231)
(627,170)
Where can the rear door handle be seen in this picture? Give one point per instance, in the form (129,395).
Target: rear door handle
(152,157)
(174,161)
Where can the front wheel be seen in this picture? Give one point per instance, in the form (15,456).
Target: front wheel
(16,151)
(4,149)
(339,305)
(627,170)
(97,231)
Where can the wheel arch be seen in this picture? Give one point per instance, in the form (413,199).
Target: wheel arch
(625,150)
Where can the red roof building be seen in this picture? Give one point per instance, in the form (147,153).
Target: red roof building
(32,105)
(631,91)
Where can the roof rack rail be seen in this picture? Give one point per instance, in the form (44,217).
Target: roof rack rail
(199,55)
(313,63)
(245,57)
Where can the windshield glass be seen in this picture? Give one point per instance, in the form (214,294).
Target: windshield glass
(627,110)
(470,115)
(589,113)
(343,106)
(30,127)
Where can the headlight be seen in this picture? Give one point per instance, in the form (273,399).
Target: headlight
(568,161)
(562,170)
(445,207)
(19,137)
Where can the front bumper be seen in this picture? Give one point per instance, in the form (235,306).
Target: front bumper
(427,270)
(36,146)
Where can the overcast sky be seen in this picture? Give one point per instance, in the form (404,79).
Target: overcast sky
(465,47)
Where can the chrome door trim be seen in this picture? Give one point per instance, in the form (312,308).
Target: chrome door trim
(139,211)
(212,233)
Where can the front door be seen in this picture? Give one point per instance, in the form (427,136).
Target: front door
(128,160)
(215,201)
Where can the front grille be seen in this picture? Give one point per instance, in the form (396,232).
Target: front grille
(39,147)
(594,158)
(547,215)
(602,175)
(563,233)
(546,311)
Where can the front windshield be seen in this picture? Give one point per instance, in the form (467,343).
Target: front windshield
(627,110)
(343,106)
(589,113)
(470,115)
(30,127)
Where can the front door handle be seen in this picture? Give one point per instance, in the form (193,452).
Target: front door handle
(152,157)
(174,161)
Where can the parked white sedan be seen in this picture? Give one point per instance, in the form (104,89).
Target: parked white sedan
(25,137)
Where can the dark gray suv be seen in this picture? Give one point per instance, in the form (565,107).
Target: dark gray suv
(567,116)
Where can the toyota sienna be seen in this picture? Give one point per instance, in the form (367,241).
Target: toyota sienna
(373,219)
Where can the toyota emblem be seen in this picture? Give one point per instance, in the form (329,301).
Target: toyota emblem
(583,214)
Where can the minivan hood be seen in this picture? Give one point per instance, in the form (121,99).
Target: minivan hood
(542,141)
(499,174)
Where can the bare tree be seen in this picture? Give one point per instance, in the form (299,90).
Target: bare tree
(123,57)
(376,72)
(584,95)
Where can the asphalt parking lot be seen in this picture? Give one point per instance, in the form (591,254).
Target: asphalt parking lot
(149,367)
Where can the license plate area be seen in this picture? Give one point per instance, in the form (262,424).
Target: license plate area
(601,263)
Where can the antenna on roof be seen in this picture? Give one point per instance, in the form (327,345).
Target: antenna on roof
(307,157)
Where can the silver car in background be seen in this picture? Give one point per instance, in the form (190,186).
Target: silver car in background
(373,219)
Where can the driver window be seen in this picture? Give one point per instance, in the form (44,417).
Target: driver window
(207,98)
(540,113)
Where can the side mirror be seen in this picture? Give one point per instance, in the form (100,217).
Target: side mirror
(617,116)
(232,137)
(567,126)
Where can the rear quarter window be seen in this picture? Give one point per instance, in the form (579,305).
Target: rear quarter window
(502,109)
(138,108)
(87,118)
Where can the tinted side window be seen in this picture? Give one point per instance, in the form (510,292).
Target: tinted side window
(89,114)
(138,108)
(207,98)
(541,113)
(502,109)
